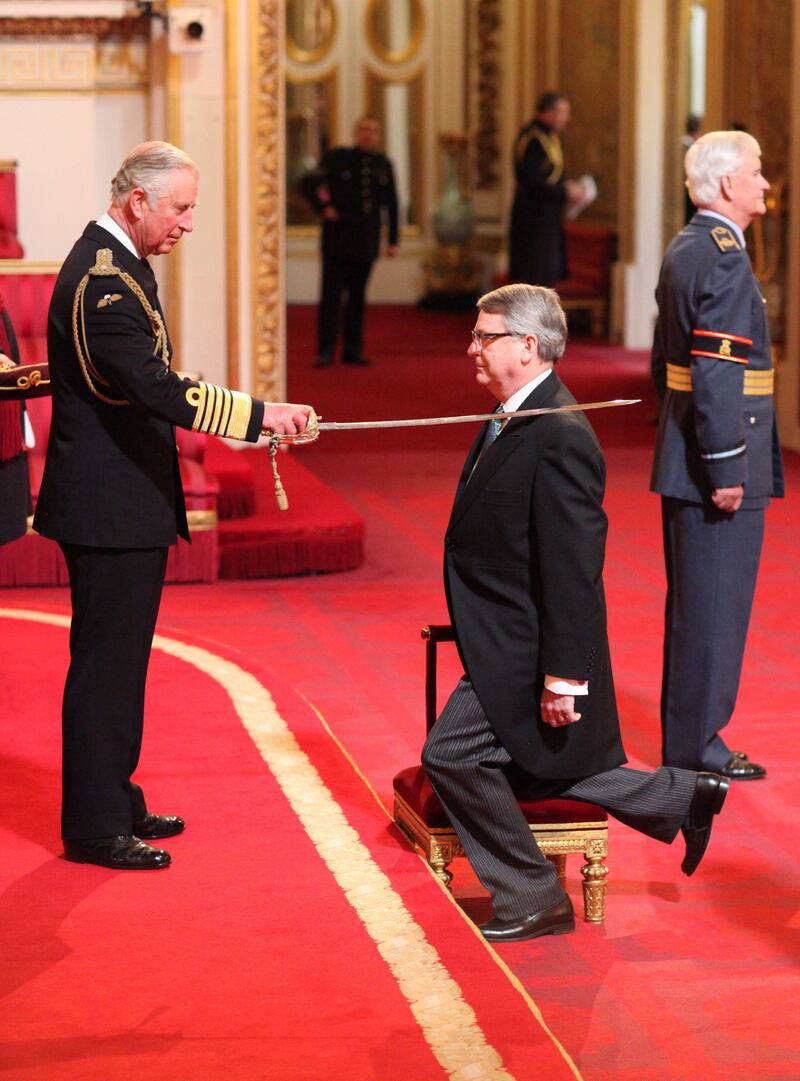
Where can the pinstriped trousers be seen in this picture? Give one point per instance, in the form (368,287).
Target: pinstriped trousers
(470,772)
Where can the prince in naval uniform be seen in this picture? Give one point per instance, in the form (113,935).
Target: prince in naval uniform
(352,190)
(717,460)
(111,492)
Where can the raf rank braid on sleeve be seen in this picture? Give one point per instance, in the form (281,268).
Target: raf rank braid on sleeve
(219,411)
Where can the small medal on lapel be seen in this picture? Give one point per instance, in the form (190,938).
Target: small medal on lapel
(109,298)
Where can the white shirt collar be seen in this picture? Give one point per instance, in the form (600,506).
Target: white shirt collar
(107,222)
(736,228)
(519,396)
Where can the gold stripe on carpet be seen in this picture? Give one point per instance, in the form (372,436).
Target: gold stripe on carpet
(507,971)
(448,1022)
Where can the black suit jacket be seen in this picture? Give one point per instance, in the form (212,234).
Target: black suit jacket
(524,553)
(111,477)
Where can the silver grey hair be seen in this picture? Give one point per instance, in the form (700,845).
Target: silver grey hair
(530,309)
(149,166)
(712,156)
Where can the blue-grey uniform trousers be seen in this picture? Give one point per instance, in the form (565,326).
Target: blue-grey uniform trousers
(472,774)
(712,564)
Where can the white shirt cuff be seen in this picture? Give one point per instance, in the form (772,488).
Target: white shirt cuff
(566,686)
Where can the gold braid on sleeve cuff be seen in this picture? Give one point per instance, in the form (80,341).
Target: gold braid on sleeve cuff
(219,411)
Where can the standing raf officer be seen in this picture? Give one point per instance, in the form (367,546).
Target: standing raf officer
(717,460)
(111,492)
(352,189)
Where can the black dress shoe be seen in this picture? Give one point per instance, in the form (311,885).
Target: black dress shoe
(323,360)
(123,853)
(151,827)
(709,796)
(558,919)
(740,768)
(364,362)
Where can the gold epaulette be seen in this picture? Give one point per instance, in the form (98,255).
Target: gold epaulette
(219,411)
(104,268)
(724,238)
(756,383)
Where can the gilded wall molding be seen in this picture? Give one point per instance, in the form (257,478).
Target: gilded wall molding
(484,47)
(266,122)
(82,66)
(125,28)
(231,191)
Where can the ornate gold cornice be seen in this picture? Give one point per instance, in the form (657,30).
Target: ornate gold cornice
(127,27)
(266,119)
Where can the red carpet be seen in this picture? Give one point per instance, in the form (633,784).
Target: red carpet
(245,958)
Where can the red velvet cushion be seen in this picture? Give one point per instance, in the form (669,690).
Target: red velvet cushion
(414,787)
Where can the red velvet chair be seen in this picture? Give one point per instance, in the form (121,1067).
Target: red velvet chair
(591,249)
(559,826)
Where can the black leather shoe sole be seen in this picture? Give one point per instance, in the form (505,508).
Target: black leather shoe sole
(123,853)
(559,919)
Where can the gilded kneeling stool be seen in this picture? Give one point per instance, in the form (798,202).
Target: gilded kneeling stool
(560,826)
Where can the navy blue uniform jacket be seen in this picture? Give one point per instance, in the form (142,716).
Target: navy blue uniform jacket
(711,364)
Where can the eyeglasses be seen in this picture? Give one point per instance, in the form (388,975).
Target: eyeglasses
(482,339)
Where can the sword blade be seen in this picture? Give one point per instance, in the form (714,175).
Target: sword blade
(424,422)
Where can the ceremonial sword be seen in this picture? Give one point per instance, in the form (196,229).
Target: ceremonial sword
(314,426)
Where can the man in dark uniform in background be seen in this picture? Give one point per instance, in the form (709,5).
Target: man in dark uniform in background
(717,460)
(111,492)
(537,252)
(352,189)
(535,712)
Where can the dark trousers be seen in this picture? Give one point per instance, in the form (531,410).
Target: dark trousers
(340,276)
(471,773)
(115,598)
(712,564)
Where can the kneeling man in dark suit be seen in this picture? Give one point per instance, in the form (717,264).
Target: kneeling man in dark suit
(535,712)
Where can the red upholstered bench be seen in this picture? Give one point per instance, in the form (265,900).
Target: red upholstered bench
(559,826)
